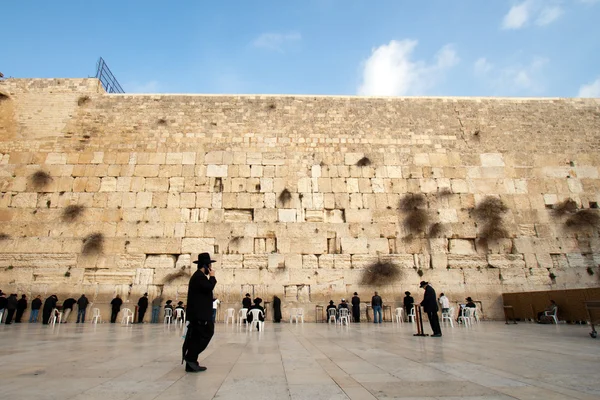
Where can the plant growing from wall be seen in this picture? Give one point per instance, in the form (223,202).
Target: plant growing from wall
(285,197)
(40,179)
(83,100)
(93,244)
(552,277)
(181,273)
(437,230)
(72,212)
(363,162)
(3,97)
(4,236)
(590,271)
(416,218)
(162,121)
(490,212)
(581,219)
(381,273)
(566,207)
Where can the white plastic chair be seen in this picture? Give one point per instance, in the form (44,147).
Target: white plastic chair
(466,316)
(179,316)
(256,314)
(399,315)
(127,316)
(96,316)
(411,315)
(55,317)
(449,316)
(298,314)
(168,316)
(331,313)
(230,314)
(293,312)
(243,316)
(344,316)
(552,314)
(2,315)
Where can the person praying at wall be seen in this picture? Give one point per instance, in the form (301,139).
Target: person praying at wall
(142,307)
(21,307)
(49,305)
(116,307)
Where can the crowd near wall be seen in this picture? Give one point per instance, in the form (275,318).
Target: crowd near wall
(294,196)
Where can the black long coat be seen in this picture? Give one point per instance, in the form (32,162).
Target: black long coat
(143,303)
(429,302)
(276,309)
(200,297)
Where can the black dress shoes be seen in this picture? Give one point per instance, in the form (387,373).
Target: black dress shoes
(437,335)
(191,366)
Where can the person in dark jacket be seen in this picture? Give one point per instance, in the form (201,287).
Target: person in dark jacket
(256,306)
(49,305)
(408,303)
(142,307)
(430,306)
(67,307)
(21,307)
(116,307)
(11,307)
(247,302)
(82,304)
(377,305)
(201,328)
(36,304)
(276,309)
(356,307)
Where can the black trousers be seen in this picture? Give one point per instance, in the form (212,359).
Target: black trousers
(9,316)
(197,338)
(19,315)
(435,322)
(113,316)
(46,316)
(141,313)
(356,314)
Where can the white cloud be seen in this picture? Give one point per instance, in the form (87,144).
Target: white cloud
(590,89)
(482,66)
(544,12)
(516,79)
(390,70)
(142,87)
(549,15)
(276,41)
(517,16)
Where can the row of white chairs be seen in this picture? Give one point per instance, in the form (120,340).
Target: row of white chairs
(343,318)
(468,316)
(243,317)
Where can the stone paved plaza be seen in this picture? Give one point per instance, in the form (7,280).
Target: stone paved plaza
(310,361)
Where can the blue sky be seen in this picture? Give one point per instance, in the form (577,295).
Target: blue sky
(349,47)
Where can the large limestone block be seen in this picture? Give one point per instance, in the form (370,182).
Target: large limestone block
(213,170)
(256,261)
(351,245)
(232,261)
(466,261)
(131,261)
(361,261)
(359,216)
(197,245)
(461,246)
(160,261)
(286,215)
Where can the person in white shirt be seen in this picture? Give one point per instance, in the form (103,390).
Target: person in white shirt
(444,303)
(216,303)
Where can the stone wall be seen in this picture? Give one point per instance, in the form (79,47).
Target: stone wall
(165,177)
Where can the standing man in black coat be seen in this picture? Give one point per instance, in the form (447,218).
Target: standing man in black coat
(36,304)
(408,303)
(142,307)
(247,302)
(356,307)
(201,327)
(49,305)
(116,307)
(82,304)
(21,307)
(430,306)
(11,307)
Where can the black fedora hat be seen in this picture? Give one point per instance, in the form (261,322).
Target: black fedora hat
(204,259)
(423,283)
